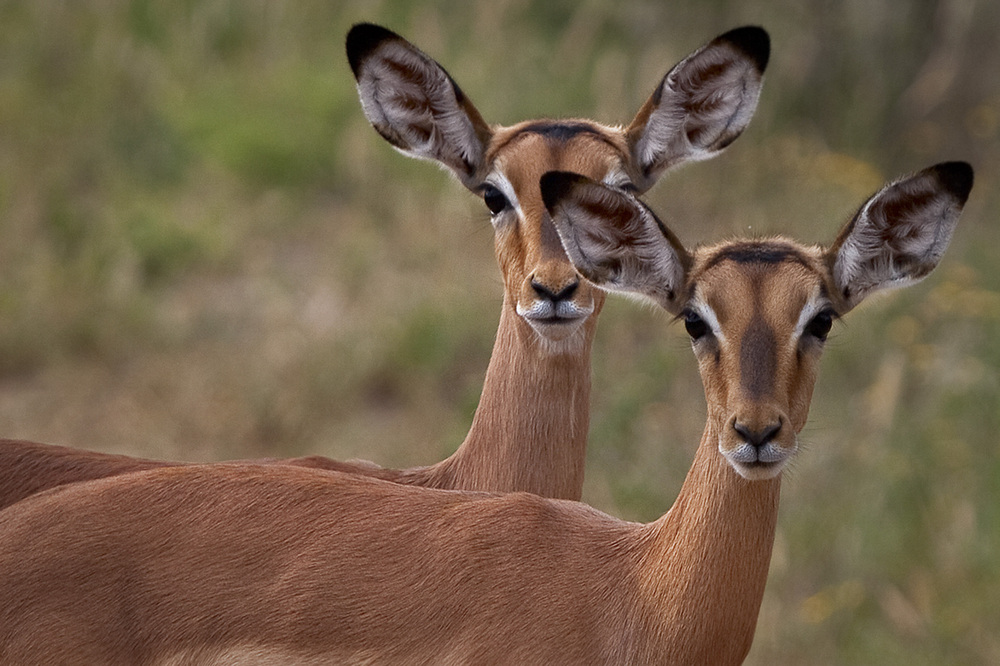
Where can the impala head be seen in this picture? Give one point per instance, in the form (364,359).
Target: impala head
(698,109)
(758,311)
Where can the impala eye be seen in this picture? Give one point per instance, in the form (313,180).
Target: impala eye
(494,199)
(819,326)
(695,325)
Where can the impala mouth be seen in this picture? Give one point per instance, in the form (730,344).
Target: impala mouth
(757,471)
(555,320)
(757,463)
(556,329)
(545,314)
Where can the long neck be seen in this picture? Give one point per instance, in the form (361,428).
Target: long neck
(529,432)
(705,563)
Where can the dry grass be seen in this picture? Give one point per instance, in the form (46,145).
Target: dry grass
(208,254)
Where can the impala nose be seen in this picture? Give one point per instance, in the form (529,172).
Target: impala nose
(759,437)
(548,293)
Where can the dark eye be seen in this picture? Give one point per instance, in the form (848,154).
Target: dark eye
(695,325)
(495,201)
(819,326)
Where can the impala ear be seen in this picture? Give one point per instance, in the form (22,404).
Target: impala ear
(414,104)
(702,104)
(613,240)
(899,235)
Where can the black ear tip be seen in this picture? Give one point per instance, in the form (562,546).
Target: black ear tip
(956,177)
(753,41)
(556,185)
(364,38)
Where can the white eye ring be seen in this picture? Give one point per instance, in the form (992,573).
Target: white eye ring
(816,306)
(494,199)
(707,315)
(498,183)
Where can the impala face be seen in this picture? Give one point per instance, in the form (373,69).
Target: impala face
(758,311)
(548,292)
(699,108)
(758,316)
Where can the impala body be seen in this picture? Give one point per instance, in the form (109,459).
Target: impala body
(529,431)
(245,564)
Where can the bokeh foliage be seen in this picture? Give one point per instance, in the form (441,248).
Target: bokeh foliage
(206,253)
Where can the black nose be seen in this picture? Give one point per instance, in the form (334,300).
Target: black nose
(757,438)
(555,296)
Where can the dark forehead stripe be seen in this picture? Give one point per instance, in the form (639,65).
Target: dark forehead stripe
(565,130)
(758,359)
(758,252)
(560,130)
(765,253)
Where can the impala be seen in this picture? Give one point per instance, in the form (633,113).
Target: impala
(243,564)
(529,431)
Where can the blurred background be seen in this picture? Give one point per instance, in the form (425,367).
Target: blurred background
(207,253)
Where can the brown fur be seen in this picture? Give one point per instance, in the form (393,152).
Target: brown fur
(214,559)
(530,428)
(252,564)
(211,564)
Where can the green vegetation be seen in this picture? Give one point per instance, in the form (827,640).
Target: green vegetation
(207,253)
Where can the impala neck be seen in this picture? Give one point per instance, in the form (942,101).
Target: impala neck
(709,558)
(529,431)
